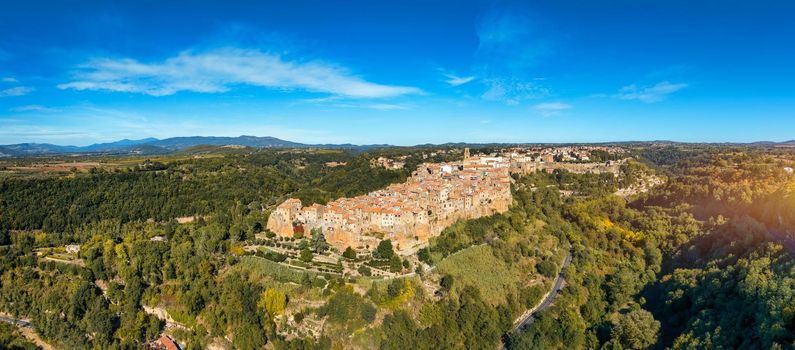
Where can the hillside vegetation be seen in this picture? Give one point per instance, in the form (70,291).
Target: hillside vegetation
(699,262)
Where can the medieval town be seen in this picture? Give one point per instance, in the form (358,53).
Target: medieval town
(434,197)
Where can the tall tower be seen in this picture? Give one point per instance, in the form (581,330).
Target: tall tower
(466,153)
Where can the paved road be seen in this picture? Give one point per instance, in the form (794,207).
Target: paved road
(553,293)
(528,317)
(20,323)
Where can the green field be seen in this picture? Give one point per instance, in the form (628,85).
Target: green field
(476,266)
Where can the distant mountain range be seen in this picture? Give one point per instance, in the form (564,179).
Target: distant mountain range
(157,146)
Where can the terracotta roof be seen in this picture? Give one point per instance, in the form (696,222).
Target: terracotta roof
(168,343)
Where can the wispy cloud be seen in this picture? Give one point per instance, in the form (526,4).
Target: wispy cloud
(649,94)
(16,91)
(343,102)
(219,70)
(513,91)
(9,80)
(549,109)
(454,80)
(510,48)
(34,108)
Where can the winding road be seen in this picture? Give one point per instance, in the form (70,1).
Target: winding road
(528,317)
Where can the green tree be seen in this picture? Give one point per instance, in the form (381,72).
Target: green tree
(395,264)
(384,250)
(305,255)
(349,253)
(364,270)
(424,255)
(446,282)
(547,268)
(635,330)
(319,243)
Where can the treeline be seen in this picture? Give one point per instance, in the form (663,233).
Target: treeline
(203,186)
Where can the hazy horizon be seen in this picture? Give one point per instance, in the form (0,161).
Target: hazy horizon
(416,144)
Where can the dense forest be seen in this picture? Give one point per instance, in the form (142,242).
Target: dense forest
(693,264)
(699,262)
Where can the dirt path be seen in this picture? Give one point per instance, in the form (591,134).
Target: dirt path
(32,336)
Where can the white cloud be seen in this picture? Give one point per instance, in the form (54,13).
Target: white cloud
(9,80)
(220,70)
(34,108)
(549,109)
(649,94)
(454,80)
(513,91)
(16,91)
(552,106)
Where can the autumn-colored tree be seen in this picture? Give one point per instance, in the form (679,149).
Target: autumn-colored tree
(272,301)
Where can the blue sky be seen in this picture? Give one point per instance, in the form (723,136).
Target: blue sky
(399,72)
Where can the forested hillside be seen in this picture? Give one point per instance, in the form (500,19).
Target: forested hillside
(700,262)
(694,264)
(184,187)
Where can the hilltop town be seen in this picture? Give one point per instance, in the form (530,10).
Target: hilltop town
(434,197)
